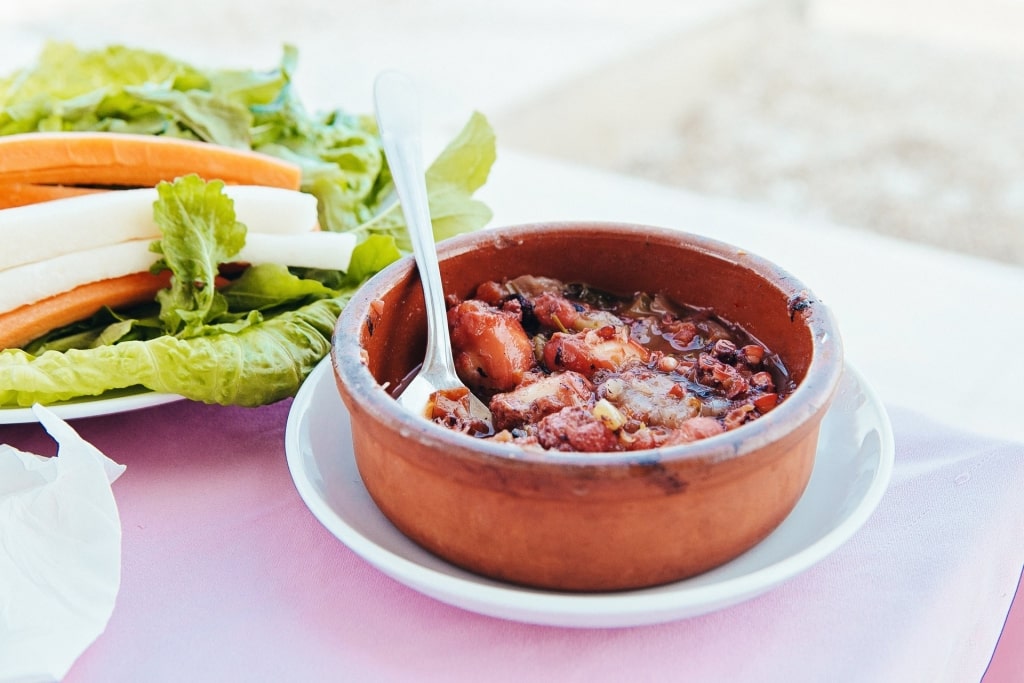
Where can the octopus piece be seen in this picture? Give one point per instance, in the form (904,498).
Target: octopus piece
(752,354)
(555,311)
(576,429)
(606,348)
(679,333)
(739,416)
(491,292)
(766,402)
(693,429)
(714,373)
(762,381)
(539,395)
(450,408)
(492,350)
(725,351)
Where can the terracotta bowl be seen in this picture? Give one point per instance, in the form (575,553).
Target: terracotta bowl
(578,521)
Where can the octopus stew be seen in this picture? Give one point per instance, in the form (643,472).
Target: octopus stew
(569,368)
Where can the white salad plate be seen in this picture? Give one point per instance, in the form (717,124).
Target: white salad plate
(856,452)
(91,407)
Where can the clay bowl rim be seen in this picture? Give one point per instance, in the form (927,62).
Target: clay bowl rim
(814,392)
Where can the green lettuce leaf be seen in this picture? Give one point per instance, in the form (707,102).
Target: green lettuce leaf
(268,286)
(210,118)
(258,365)
(371,256)
(72,89)
(273,324)
(104,328)
(200,232)
(461,169)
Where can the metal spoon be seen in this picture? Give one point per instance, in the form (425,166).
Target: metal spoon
(398,121)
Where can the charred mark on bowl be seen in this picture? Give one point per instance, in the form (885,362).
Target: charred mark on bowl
(375,313)
(663,477)
(798,303)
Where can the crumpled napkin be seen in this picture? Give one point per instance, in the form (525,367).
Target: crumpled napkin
(60,553)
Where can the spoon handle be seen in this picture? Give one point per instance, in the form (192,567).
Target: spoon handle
(398,120)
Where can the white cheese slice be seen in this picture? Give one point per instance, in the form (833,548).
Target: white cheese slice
(320,249)
(38,232)
(31,282)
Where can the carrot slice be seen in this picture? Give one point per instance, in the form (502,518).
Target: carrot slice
(21,325)
(132,160)
(23,194)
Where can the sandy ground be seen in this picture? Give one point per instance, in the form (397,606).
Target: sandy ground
(906,141)
(906,126)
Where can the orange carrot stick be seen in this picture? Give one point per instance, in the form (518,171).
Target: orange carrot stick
(25,323)
(131,160)
(22,194)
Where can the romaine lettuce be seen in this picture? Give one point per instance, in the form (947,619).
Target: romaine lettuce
(254,341)
(260,364)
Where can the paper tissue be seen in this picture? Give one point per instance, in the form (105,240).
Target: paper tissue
(60,553)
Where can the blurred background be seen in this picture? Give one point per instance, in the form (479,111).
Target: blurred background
(896,116)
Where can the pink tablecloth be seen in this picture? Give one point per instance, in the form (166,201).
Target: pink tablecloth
(228,577)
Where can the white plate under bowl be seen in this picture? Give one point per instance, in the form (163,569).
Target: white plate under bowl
(92,407)
(856,452)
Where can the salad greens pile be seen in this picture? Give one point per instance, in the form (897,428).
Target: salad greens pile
(254,341)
